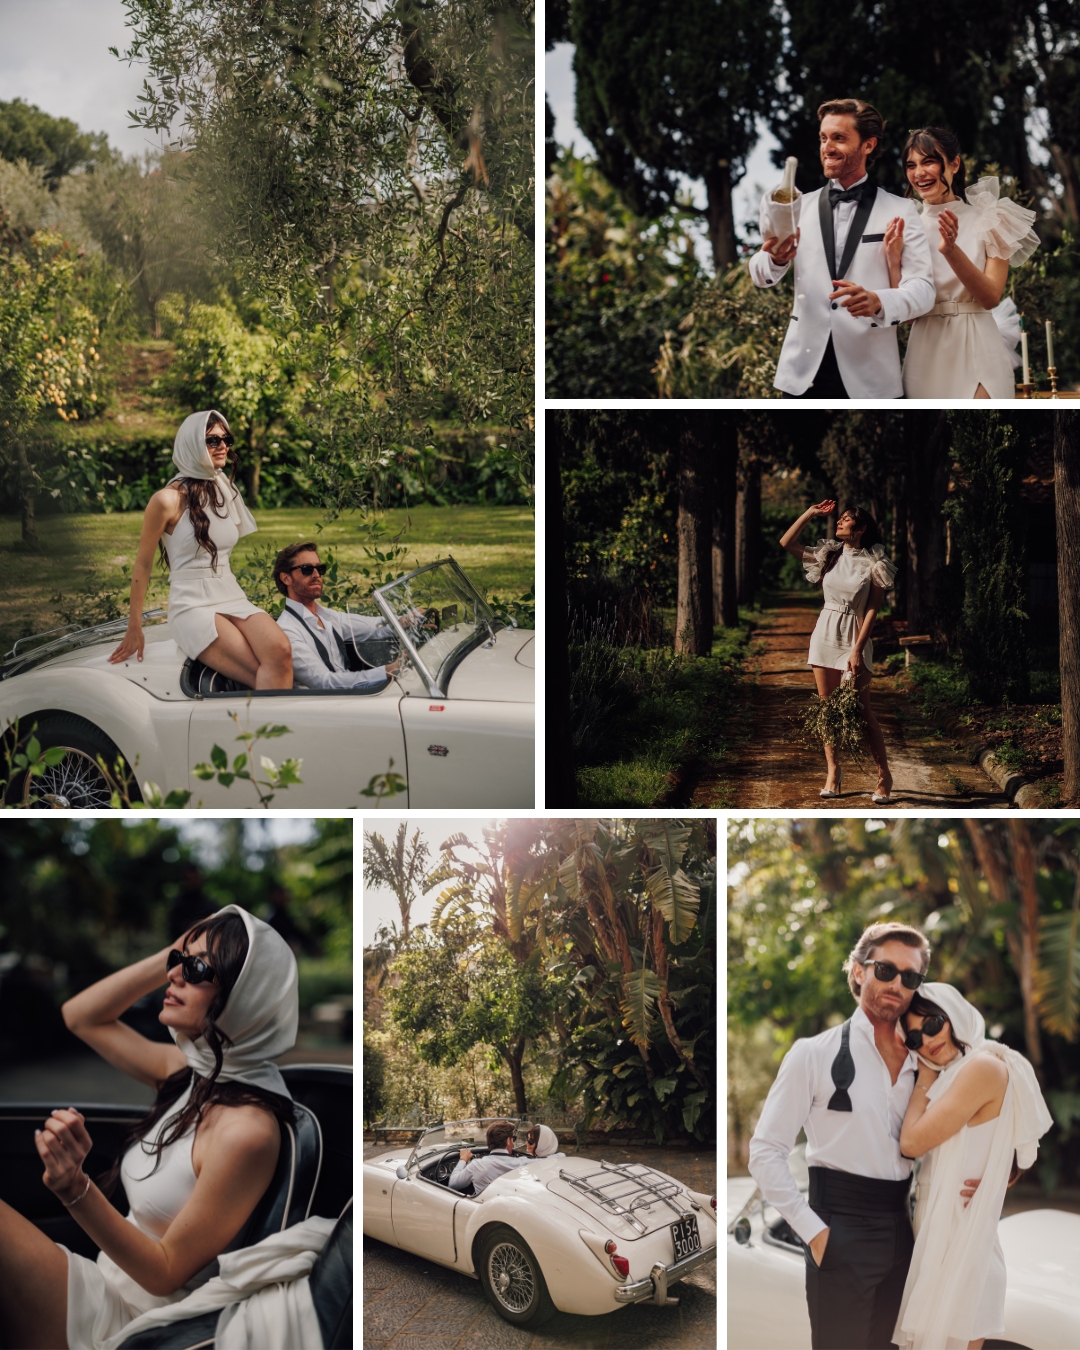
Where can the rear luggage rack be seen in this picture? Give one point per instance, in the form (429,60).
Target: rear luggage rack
(640,1188)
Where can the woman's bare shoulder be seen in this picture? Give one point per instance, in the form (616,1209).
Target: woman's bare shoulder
(982,1072)
(226,1122)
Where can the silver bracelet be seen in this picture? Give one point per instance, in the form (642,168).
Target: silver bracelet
(69,1203)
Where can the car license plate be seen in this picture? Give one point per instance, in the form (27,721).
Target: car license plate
(686,1237)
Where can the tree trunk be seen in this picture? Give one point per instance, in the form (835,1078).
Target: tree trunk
(560,782)
(748,530)
(724,578)
(693,623)
(926,475)
(1024,869)
(898,544)
(513,1057)
(1067,507)
(254,469)
(27,492)
(721,217)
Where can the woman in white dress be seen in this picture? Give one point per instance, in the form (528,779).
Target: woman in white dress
(958,350)
(976,1114)
(193,1169)
(854,575)
(196,521)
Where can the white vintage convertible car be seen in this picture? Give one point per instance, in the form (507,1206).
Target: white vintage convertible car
(457,722)
(766,1289)
(566,1234)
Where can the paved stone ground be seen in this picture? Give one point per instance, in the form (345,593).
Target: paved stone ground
(410,1304)
(775,772)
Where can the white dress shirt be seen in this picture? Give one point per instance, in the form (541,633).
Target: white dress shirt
(324,628)
(483,1171)
(864,1141)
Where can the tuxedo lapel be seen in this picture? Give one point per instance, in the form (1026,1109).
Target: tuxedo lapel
(828,239)
(862,215)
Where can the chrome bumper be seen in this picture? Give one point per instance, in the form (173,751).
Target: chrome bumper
(661,1277)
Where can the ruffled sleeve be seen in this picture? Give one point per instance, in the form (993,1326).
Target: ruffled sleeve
(814,556)
(1003,227)
(882,571)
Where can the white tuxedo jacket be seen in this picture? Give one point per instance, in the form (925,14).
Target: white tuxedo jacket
(866,350)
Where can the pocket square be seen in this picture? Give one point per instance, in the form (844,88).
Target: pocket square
(873,239)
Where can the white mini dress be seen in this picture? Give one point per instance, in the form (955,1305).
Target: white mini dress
(198,591)
(101,1298)
(846,588)
(959,345)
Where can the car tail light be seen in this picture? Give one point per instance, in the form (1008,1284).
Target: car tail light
(621,1264)
(714,1202)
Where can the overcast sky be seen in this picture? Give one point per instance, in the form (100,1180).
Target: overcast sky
(559,81)
(380,906)
(55,54)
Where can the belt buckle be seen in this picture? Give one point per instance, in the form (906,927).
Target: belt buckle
(948,309)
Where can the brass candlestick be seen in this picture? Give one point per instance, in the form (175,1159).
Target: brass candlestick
(1025,391)
(1052,372)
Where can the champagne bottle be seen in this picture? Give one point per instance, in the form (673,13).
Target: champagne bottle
(785,193)
(779,212)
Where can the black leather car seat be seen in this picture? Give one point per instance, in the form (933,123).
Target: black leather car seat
(197,679)
(287,1201)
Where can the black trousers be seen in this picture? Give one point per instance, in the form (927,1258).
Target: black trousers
(828,382)
(854,1296)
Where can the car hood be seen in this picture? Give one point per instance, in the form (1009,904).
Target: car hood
(501,671)
(1042,1252)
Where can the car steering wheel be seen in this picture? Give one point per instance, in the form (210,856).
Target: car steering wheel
(445,1167)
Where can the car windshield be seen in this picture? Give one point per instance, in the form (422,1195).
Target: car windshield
(439,617)
(463,1134)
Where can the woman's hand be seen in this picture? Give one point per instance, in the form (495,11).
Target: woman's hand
(132,644)
(854,661)
(927,1076)
(894,240)
(948,228)
(63,1145)
(825,508)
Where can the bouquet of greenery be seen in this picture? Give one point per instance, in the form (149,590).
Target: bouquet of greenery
(837,720)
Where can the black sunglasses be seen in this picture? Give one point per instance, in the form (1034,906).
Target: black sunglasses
(214,441)
(886,972)
(193,968)
(306,569)
(930,1027)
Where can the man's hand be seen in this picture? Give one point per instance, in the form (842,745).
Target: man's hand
(465,1155)
(858,301)
(817,1246)
(781,251)
(393,667)
(967,1194)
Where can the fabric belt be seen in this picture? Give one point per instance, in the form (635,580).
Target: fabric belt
(846,1193)
(946,309)
(840,609)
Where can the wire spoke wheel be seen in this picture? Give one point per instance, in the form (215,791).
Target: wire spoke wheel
(76,783)
(511,1277)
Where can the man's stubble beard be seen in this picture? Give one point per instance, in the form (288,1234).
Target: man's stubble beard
(888,1012)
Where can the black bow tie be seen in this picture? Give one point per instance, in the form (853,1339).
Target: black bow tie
(853,194)
(843,1072)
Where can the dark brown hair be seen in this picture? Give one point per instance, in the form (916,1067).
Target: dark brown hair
(283,561)
(227,949)
(498,1133)
(941,146)
(873,937)
(868,121)
(924,1007)
(871,535)
(202,493)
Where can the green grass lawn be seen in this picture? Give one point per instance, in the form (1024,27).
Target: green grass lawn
(493,544)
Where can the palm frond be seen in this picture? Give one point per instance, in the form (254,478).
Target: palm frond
(1057,978)
(640,991)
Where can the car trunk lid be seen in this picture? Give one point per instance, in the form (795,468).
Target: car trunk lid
(629,1198)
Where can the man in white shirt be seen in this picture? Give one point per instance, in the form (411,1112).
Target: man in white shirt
(841,340)
(849,1089)
(481,1172)
(318,635)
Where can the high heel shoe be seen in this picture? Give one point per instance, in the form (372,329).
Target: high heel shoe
(830,792)
(881,798)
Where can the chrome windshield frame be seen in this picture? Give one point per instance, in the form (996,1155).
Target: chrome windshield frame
(414,1156)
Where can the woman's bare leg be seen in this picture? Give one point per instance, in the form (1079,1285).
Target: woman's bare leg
(33,1285)
(977,1345)
(981,392)
(874,735)
(254,651)
(827,680)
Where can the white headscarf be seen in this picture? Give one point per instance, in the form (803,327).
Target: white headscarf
(953,1244)
(192,459)
(260,1017)
(548,1142)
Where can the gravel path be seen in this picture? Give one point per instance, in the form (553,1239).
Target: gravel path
(410,1304)
(775,772)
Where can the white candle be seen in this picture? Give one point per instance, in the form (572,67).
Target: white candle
(1049,343)
(1024,353)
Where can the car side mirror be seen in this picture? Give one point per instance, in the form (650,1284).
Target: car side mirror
(742,1232)
(403,1175)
